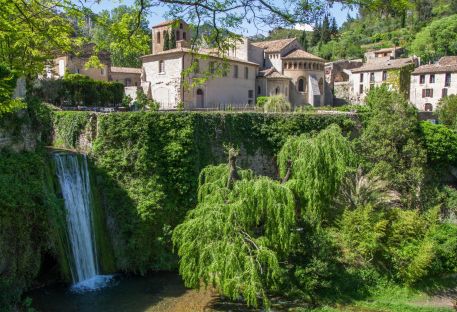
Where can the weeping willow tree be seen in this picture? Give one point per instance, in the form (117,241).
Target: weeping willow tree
(319,166)
(244,225)
(233,239)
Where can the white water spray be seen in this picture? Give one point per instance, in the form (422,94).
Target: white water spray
(73,175)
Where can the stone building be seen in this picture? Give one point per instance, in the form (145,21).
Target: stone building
(384,54)
(249,70)
(337,77)
(393,72)
(431,82)
(74,63)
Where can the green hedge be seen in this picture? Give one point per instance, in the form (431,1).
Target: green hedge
(74,90)
(147,166)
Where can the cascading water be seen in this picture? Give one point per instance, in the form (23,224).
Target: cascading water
(73,174)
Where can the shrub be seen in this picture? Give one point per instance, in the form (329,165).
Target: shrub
(7,85)
(440,142)
(75,89)
(277,103)
(260,101)
(447,110)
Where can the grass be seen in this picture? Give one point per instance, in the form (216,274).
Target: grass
(424,297)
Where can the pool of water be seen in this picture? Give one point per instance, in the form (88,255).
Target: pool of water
(160,292)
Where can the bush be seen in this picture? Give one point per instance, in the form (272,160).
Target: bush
(260,102)
(75,90)
(277,103)
(447,110)
(441,143)
(7,85)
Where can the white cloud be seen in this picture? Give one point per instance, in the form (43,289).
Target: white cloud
(306,27)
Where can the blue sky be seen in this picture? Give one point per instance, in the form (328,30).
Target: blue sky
(338,11)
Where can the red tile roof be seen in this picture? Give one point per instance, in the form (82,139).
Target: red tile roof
(444,65)
(273,45)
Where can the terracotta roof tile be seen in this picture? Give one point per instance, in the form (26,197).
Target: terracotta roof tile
(383,64)
(271,73)
(444,65)
(273,45)
(302,54)
(164,23)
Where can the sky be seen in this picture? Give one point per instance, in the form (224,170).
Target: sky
(338,11)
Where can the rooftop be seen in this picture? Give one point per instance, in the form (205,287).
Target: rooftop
(302,54)
(165,23)
(444,65)
(271,73)
(385,65)
(200,52)
(273,45)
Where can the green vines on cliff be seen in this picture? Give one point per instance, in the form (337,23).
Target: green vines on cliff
(147,167)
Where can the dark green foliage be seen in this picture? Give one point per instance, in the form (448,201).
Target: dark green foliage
(447,110)
(68,127)
(7,85)
(261,100)
(172,39)
(441,144)
(27,206)
(166,41)
(80,90)
(390,144)
(304,40)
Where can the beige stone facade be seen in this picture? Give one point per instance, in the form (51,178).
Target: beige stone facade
(250,69)
(75,64)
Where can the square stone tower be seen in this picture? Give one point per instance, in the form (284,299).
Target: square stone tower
(181,31)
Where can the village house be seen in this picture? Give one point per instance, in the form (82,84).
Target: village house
(249,70)
(382,68)
(337,77)
(431,82)
(74,63)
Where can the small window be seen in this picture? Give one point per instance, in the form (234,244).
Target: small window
(178,35)
(428,107)
(102,71)
(361,77)
(259,90)
(432,78)
(384,75)
(444,92)
(422,79)
(277,90)
(250,94)
(235,71)
(184,36)
(447,82)
(361,89)
(249,102)
(427,93)
(158,37)
(161,66)
(180,25)
(301,85)
(371,77)
(246,73)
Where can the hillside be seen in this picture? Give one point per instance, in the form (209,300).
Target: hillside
(427,29)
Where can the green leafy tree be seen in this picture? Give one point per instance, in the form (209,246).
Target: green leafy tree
(7,86)
(390,144)
(447,110)
(437,39)
(316,38)
(120,33)
(276,104)
(304,40)
(326,34)
(441,144)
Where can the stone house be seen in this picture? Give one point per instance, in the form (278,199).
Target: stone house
(393,72)
(249,70)
(74,63)
(337,77)
(384,54)
(431,82)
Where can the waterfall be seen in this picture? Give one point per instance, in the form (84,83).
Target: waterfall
(73,174)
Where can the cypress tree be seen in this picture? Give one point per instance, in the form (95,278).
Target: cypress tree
(316,35)
(166,41)
(334,27)
(172,39)
(325,32)
(303,40)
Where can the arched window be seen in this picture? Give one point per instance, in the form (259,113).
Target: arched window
(301,85)
(295,65)
(428,107)
(259,90)
(161,66)
(158,37)
(184,36)
(178,35)
(277,90)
